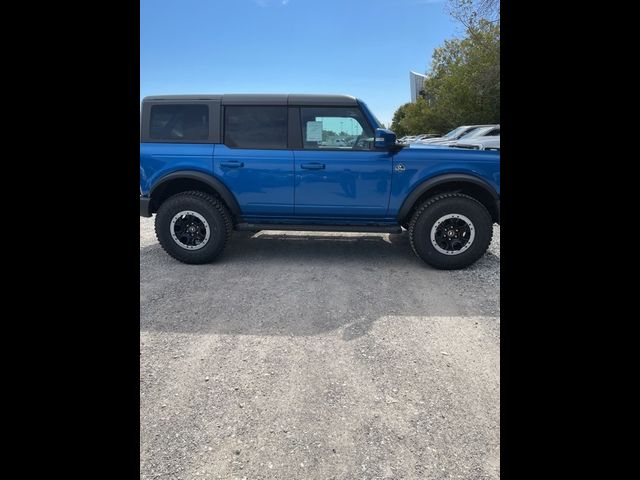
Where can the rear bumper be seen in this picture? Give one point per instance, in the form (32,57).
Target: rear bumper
(145,207)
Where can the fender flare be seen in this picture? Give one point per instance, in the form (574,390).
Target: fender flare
(423,187)
(213,182)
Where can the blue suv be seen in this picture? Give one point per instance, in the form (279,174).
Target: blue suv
(212,164)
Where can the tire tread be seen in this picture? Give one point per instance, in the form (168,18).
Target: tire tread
(215,203)
(428,203)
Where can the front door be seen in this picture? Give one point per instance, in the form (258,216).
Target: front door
(338,172)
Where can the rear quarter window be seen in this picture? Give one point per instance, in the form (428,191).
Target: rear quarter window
(179,122)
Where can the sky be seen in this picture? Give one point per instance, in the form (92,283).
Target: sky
(363,48)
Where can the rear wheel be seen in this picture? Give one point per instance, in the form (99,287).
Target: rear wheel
(450,231)
(193,227)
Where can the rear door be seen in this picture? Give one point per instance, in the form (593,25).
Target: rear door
(254,160)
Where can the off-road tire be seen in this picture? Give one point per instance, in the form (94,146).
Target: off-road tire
(434,209)
(211,208)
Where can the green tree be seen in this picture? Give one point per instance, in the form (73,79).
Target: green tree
(397,124)
(415,118)
(462,88)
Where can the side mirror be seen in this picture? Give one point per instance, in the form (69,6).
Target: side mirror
(385,138)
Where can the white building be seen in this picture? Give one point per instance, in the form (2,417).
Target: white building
(417,83)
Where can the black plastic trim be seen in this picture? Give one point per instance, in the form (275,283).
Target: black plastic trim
(439,180)
(266,99)
(259,98)
(253,227)
(144,207)
(213,182)
(322,100)
(294,133)
(214,122)
(182,98)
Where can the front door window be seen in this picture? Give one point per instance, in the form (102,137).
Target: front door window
(335,128)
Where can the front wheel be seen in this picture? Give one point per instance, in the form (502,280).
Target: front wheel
(450,231)
(193,227)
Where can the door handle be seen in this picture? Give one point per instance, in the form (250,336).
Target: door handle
(232,164)
(312,166)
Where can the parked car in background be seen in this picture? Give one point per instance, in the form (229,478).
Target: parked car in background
(425,136)
(415,138)
(454,134)
(492,130)
(481,143)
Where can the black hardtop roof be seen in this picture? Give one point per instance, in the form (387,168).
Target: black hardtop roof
(260,99)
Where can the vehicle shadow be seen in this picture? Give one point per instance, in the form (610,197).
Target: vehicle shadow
(294,283)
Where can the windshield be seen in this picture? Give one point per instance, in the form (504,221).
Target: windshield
(477,132)
(455,133)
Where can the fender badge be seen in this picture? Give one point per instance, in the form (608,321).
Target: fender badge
(399,167)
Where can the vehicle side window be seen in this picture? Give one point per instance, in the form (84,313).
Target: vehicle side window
(179,122)
(495,131)
(255,127)
(342,128)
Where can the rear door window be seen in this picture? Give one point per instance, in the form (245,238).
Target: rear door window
(259,127)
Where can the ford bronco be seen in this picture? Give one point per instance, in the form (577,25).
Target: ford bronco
(212,164)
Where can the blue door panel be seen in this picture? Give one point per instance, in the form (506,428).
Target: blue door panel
(261,180)
(342,184)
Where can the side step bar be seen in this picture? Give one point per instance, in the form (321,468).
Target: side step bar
(255,227)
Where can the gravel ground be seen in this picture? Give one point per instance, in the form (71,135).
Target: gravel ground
(308,355)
